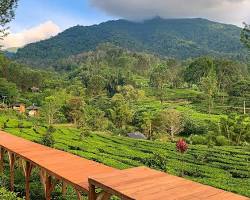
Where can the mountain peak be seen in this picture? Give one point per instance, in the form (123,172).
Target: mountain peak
(176,38)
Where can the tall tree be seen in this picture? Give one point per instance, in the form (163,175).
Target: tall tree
(75,109)
(121,113)
(236,128)
(7,8)
(228,72)
(199,68)
(170,121)
(208,85)
(159,79)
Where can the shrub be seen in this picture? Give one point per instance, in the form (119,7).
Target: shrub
(85,132)
(194,127)
(156,161)
(6,195)
(221,140)
(51,129)
(48,138)
(198,139)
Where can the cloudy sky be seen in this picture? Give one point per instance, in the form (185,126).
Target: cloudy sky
(40,19)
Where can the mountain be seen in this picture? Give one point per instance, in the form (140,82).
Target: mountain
(178,38)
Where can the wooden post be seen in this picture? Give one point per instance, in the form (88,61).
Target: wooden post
(49,187)
(64,189)
(43,179)
(92,194)
(79,195)
(12,168)
(27,167)
(1,161)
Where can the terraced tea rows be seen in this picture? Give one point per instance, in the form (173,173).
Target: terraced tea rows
(227,168)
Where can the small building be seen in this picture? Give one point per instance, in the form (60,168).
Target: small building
(19,107)
(137,135)
(33,111)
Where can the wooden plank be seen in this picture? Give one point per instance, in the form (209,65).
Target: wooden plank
(57,163)
(146,184)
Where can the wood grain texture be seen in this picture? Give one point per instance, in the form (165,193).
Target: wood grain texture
(142,183)
(64,166)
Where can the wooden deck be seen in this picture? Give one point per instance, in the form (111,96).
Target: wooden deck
(64,166)
(142,183)
(84,175)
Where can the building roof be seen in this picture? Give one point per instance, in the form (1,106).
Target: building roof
(33,107)
(137,135)
(18,104)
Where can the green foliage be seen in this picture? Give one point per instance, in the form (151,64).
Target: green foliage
(222,140)
(121,114)
(180,38)
(225,71)
(169,121)
(48,138)
(198,139)
(199,68)
(6,195)
(240,88)
(236,128)
(245,36)
(208,85)
(7,8)
(8,90)
(24,77)
(192,126)
(156,161)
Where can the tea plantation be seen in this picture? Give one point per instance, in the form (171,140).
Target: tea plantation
(227,167)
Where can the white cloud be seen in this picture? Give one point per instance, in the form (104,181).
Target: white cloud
(229,11)
(37,33)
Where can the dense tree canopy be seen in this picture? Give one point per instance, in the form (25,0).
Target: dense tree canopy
(175,38)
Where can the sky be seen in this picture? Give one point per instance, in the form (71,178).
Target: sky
(40,19)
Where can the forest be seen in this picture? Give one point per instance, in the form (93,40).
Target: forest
(87,100)
(173,38)
(117,91)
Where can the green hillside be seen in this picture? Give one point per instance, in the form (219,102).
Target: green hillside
(179,38)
